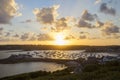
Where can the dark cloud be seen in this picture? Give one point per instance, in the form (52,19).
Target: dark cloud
(109,28)
(105,9)
(53,29)
(99,24)
(25,36)
(84,24)
(1,30)
(82,32)
(110,1)
(69,37)
(86,19)
(8,9)
(82,37)
(44,37)
(26,21)
(88,16)
(32,38)
(49,16)
(46,15)
(16,35)
(91,38)
(114,36)
(61,24)
(7,34)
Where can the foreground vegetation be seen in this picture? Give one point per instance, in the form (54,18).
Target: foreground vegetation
(107,71)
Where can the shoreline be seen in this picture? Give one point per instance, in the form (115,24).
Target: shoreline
(13,61)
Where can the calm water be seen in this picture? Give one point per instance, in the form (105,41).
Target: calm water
(12,69)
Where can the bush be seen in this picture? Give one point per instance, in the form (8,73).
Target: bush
(112,63)
(91,68)
(62,72)
(38,74)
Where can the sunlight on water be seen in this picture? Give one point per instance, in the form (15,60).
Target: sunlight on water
(12,69)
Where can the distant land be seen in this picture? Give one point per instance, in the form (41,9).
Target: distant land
(112,48)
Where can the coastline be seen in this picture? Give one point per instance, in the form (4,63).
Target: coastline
(13,61)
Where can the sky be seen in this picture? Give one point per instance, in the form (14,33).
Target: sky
(60,22)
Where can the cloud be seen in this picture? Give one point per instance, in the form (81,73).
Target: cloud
(88,16)
(110,1)
(84,24)
(4,39)
(7,34)
(26,21)
(117,36)
(69,37)
(99,24)
(61,24)
(93,38)
(82,37)
(25,36)
(46,15)
(107,10)
(44,37)
(29,36)
(1,30)
(86,19)
(82,32)
(16,35)
(110,29)
(97,1)
(32,37)
(8,10)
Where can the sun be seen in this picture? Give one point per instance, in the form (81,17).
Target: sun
(59,39)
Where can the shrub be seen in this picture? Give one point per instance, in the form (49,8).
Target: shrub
(91,68)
